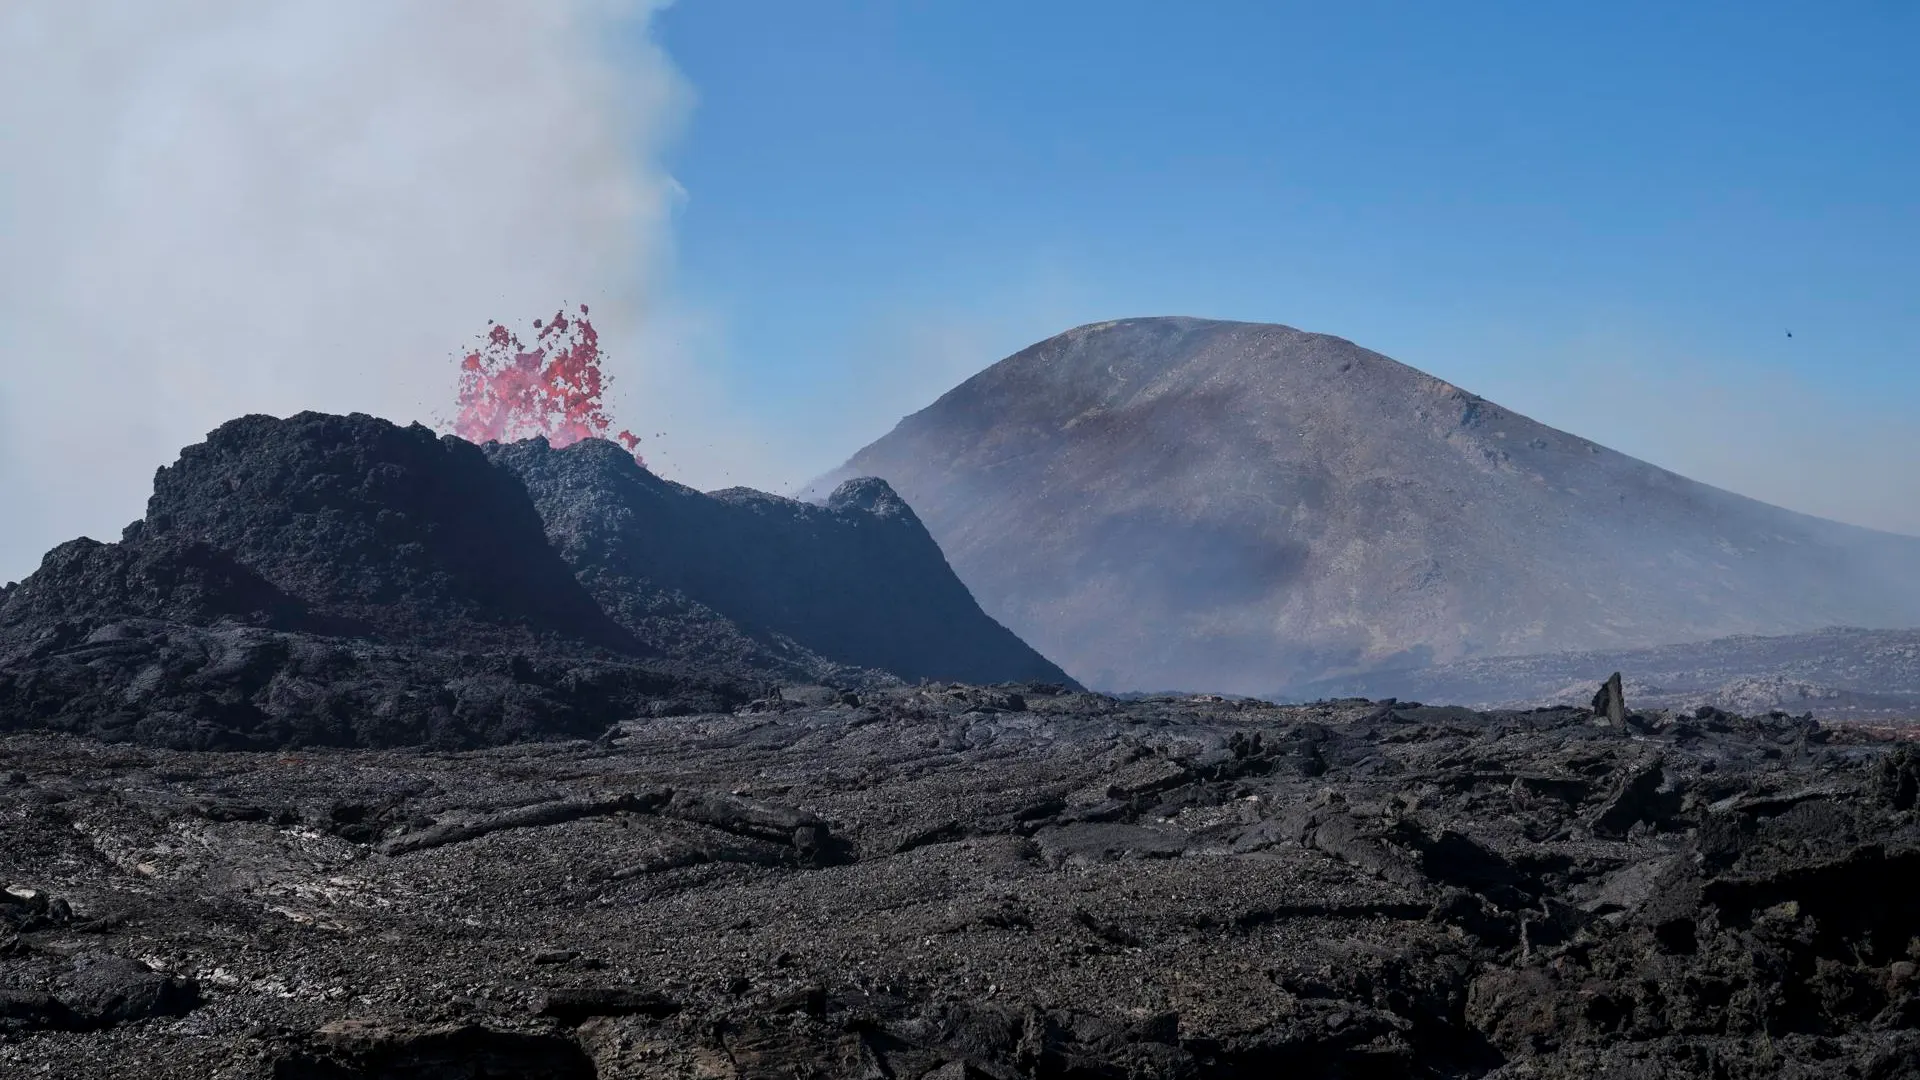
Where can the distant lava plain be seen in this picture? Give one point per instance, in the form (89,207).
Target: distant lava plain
(1179,503)
(1840,674)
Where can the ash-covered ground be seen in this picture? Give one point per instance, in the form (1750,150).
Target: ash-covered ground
(952,882)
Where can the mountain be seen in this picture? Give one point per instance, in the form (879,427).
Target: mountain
(343,580)
(1182,503)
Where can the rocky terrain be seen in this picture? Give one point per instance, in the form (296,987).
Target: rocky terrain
(1187,504)
(329,580)
(950,881)
(1840,674)
(369,754)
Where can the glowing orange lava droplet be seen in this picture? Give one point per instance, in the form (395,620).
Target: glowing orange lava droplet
(508,391)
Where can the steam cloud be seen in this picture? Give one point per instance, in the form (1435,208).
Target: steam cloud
(216,207)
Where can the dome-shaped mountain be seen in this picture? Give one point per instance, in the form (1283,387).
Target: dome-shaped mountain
(1183,503)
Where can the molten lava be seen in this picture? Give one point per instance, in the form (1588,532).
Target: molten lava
(509,391)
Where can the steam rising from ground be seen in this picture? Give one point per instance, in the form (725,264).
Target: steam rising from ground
(215,207)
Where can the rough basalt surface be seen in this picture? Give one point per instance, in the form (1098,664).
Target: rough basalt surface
(952,881)
(391,533)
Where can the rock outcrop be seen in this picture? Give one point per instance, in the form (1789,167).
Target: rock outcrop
(388,533)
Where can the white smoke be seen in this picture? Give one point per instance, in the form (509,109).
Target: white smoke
(216,207)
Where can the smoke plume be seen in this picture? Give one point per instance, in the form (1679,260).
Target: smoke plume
(216,207)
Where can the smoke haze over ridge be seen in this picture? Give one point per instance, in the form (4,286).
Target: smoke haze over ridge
(210,207)
(227,206)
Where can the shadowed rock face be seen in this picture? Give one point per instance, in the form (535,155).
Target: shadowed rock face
(1177,502)
(331,580)
(856,583)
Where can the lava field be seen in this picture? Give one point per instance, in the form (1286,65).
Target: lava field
(370,755)
(953,881)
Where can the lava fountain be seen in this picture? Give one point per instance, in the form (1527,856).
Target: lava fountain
(509,391)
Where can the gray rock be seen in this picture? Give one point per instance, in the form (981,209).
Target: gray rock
(1643,796)
(571,1005)
(1428,900)
(357,1048)
(1610,703)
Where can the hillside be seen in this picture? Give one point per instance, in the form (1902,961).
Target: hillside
(856,583)
(1176,503)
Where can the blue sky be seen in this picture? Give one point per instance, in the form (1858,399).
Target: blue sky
(1605,215)
(799,220)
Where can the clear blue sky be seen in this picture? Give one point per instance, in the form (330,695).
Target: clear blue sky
(1576,210)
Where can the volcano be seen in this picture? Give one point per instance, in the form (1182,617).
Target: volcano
(768,582)
(1178,503)
(342,580)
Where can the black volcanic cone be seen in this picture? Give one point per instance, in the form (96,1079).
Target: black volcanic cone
(343,580)
(401,534)
(329,580)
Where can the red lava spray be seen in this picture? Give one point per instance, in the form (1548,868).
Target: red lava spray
(509,391)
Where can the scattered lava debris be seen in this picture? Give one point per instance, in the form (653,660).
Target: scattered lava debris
(509,391)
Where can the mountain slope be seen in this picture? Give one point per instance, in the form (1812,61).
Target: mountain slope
(857,582)
(1183,503)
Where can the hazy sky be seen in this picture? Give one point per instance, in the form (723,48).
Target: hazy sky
(799,221)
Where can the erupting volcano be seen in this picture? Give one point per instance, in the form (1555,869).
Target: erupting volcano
(510,392)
